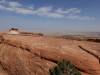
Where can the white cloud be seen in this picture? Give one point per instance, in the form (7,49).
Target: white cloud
(14,4)
(68,11)
(73,17)
(2,7)
(6,8)
(2,1)
(47,11)
(31,7)
(71,13)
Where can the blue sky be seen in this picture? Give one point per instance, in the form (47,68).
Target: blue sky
(51,15)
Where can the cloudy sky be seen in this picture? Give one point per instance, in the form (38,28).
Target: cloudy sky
(51,15)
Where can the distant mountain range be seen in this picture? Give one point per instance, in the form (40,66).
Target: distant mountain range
(88,34)
(84,34)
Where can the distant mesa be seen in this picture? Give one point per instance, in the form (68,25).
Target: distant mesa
(16,31)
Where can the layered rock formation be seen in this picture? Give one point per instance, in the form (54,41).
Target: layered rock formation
(35,55)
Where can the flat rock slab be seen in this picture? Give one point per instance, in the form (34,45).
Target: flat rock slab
(35,55)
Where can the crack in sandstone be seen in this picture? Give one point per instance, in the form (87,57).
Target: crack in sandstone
(89,52)
(3,66)
(27,49)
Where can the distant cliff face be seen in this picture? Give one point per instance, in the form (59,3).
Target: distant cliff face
(35,55)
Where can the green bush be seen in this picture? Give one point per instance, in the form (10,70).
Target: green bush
(64,68)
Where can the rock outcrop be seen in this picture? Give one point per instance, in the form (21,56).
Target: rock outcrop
(35,55)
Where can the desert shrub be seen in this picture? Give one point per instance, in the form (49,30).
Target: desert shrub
(64,68)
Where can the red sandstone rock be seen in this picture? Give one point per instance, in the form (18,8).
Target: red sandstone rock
(35,55)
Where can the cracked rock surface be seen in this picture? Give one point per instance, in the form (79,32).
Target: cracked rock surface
(35,55)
